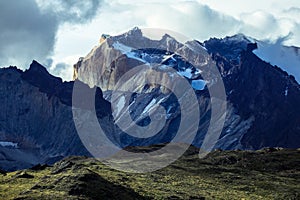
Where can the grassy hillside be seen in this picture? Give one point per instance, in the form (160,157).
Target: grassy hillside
(265,174)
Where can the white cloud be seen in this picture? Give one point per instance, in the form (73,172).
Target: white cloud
(64,67)
(29,27)
(262,25)
(192,19)
(237,7)
(196,19)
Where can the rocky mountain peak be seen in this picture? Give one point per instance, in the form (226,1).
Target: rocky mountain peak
(39,72)
(229,47)
(237,38)
(37,67)
(135,32)
(118,54)
(38,76)
(257,92)
(133,36)
(167,37)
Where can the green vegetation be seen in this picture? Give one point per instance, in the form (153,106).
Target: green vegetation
(265,174)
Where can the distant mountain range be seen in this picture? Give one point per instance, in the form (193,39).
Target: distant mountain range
(263,101)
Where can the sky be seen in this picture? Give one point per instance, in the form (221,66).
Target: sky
(57,32)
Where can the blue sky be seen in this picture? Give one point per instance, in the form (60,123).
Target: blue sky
(56,33)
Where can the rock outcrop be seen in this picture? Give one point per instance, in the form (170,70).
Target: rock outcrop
(36,113)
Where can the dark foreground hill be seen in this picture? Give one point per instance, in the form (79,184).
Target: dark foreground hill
(271,173)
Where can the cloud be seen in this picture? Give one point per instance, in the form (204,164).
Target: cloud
(264,21)
(64,67)
(265,26)
(200,21)
(262,25)
(192,19)
(292,13)
(25,33)
(28,27)
(71,11)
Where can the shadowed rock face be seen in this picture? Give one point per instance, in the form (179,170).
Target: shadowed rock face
(273,98)
(260,90)
(36,114)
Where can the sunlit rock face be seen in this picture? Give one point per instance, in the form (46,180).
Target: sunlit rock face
(115,56)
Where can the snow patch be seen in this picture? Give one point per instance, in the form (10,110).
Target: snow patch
(133,55)
(127,51)
(166,57)
(8,144)
(198,84)
(286,91)
(186,73)
(123,48)
(120,105)
(198,71)
(164,67)
(147,108)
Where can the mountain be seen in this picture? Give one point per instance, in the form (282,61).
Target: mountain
(41,121)
(36,121)
(263,91)
(262,100)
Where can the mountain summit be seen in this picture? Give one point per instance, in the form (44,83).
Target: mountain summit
(263,100)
